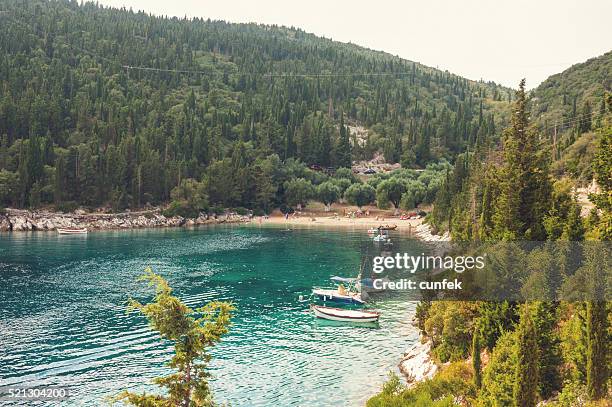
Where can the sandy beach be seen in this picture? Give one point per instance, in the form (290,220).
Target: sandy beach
(344,216)
(338,221)
(341,216)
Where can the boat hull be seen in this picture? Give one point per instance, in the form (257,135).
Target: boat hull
(334,296)
(389,227)
(63,231)
(340,315)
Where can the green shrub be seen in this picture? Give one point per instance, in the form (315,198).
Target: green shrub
(286,209)
(181,208)
(241,211)
(452,383)
(217,210)
(68,206)
(450,325)
(499,375)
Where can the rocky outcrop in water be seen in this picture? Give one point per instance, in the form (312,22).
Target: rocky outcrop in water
(17,220)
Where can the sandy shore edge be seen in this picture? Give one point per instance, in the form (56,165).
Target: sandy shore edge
(414,227)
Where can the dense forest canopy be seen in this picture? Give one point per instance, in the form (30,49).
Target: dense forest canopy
(100,105)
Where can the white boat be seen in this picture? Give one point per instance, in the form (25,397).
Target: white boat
(334,295)
(381,228)
(367,285)
(345,315)
(71,231)
(381,238)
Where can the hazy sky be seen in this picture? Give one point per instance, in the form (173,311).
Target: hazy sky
(499,40)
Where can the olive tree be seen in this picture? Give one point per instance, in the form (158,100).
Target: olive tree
(298,191)
(359,194)
(328,193)
(390,190)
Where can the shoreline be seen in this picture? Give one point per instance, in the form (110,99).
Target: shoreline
(331,221)
(415,364)
(314,218)
(23,220)
(20,220)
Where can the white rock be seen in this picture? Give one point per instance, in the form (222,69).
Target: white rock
(5,224)
(417,364)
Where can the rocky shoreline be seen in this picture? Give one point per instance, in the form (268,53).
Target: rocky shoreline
(416,364)
(425,233)
(17,220)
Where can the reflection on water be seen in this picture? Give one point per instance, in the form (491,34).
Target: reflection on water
(63,319)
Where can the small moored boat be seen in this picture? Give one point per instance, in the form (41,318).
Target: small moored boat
(71,231)
(381,238)
(340,296)
(345,315)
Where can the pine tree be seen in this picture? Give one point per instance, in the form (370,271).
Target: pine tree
(192,332)
(526,373)
(598,262)
(525,187)
(602,171)
(60,180)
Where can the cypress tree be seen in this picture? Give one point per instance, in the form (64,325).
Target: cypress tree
(598,262)
(596,368)
(526,373)
(549,362)
(476,362)
(343,149)
(524,184)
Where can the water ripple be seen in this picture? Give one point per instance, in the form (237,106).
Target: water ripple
(63,318)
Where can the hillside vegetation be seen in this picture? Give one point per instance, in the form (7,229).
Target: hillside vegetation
(546,336)
(567,108)
(104,106)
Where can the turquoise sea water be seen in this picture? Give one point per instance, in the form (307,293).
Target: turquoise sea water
(63,320)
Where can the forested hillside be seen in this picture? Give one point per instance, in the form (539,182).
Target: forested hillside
(476,199)
(563,97)
(567,108)
(102,106)
(545,338)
